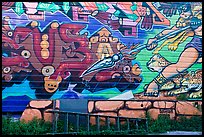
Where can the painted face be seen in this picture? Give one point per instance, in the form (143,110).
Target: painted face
(185,11)
(51,85)
(186,15)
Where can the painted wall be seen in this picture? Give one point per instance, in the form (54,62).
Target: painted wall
(90,50)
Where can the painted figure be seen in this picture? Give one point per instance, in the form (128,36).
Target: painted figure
(191,14)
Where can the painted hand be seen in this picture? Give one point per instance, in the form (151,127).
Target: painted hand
(173,46)
(151,44)
(147,22)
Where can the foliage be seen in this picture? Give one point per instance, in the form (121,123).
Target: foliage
(34,127)
(162,124)
(182,97)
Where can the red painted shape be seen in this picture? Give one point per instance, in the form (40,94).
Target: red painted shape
(36,43)
(66,67)
(14,61)
(10,41)
(21,33)
(105,75)
(7,5)
(69,33)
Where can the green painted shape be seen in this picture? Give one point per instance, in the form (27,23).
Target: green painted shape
(66,7)
(133,7)
(133,17)
(102,7)
(19,8)
(116,13)
(43,6)
(121,14)
(51,7)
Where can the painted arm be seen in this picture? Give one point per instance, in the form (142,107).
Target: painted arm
(151,44)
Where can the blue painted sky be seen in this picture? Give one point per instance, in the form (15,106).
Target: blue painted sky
(92,25)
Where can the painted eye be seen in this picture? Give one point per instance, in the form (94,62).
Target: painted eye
(116,75)
(48,70)
(126,69)
(94,13)
(121,21)
(10,33)
(6,69)
(26,54)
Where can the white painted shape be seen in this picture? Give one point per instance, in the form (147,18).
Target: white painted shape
(31,7)
(124,96)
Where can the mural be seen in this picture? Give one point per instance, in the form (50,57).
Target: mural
(100,50)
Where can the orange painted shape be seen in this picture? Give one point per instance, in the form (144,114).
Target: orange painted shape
(51,85)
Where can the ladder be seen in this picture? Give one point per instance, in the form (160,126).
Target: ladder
(67,115)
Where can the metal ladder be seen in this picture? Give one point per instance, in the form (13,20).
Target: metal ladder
(77,115)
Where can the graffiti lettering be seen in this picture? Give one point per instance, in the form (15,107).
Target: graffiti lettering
(165,110)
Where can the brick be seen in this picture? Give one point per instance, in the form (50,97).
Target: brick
(163,104)
(57,106)
(132,113)
(187,107)
(29,114)
(154,113)
(90,106)
(138,104)
(40,103)
(48,116)
(109,105)
(179,117)
(102,119)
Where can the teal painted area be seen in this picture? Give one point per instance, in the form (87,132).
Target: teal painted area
(107,93)
(19,90)
(146,73)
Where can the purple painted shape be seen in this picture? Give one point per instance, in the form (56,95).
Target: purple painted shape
(128,30)
(15,20)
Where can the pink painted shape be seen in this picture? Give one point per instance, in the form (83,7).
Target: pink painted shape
(89,6)
(75,13)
